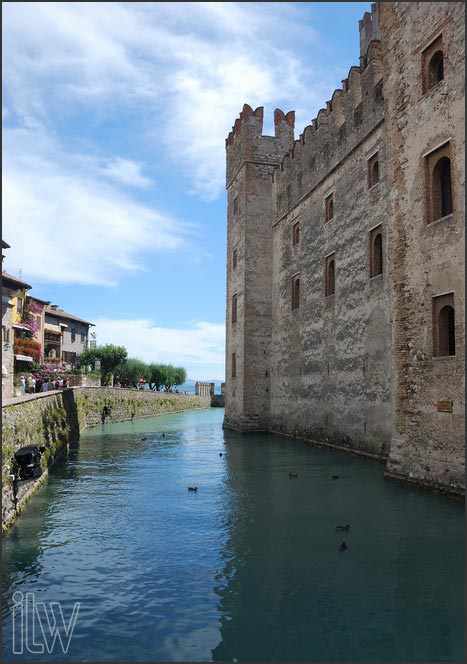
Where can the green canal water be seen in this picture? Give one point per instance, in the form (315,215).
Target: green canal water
(245,569)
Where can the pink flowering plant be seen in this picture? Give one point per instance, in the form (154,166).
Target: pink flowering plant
(49,370)
(31,311)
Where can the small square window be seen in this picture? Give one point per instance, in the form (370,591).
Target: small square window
(373,170)
(329,207)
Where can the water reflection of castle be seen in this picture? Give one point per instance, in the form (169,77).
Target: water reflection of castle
(286,593)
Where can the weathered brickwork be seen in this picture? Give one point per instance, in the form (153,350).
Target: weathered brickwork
(337,258)
(428,256)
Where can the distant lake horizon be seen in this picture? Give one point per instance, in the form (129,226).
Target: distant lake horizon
(189,386)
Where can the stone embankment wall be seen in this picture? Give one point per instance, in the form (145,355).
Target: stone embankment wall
(53,420)
(204,389)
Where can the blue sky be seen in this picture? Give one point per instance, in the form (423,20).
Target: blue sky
(114,124)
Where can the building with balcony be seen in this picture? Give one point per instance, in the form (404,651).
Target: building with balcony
(65,336)
(12,289)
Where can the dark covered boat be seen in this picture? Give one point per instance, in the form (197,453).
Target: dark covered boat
(28,459)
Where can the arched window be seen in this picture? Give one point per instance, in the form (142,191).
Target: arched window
(295,291)
(435,69)
(446,332)
(377,255)
(329,207)
(330,277)
(441,188)
(432,64)
(296,233)
(373,170)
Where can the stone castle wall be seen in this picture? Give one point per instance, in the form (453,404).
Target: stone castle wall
(428,256)
(53,419)
(251,161)
(356,368)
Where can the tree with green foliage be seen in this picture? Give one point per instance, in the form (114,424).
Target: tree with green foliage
(179,375)
(110,357)
(158,375)
(167,375)
(133,369)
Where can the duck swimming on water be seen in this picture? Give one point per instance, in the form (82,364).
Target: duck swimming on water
(342,546)
(346,527)
(192,488)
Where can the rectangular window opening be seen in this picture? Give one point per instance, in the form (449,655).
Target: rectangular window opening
(329,207)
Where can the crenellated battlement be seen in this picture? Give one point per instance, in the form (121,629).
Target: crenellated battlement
(350,113)
(249,120)
(369,28)
(246,141)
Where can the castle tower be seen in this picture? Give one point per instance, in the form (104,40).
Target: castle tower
(251,160)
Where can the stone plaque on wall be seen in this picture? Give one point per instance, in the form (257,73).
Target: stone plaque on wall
(445,406)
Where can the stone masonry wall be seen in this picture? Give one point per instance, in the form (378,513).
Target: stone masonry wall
(331,361)
(251,159)
(360,368)
(52,420)
(428,444)
(331,377)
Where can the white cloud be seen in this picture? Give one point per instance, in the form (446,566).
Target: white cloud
(65,223)
(200,347)
(126,171)
(190,66)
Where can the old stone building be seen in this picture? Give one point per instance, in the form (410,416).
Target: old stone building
(345,273)
(65,336)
